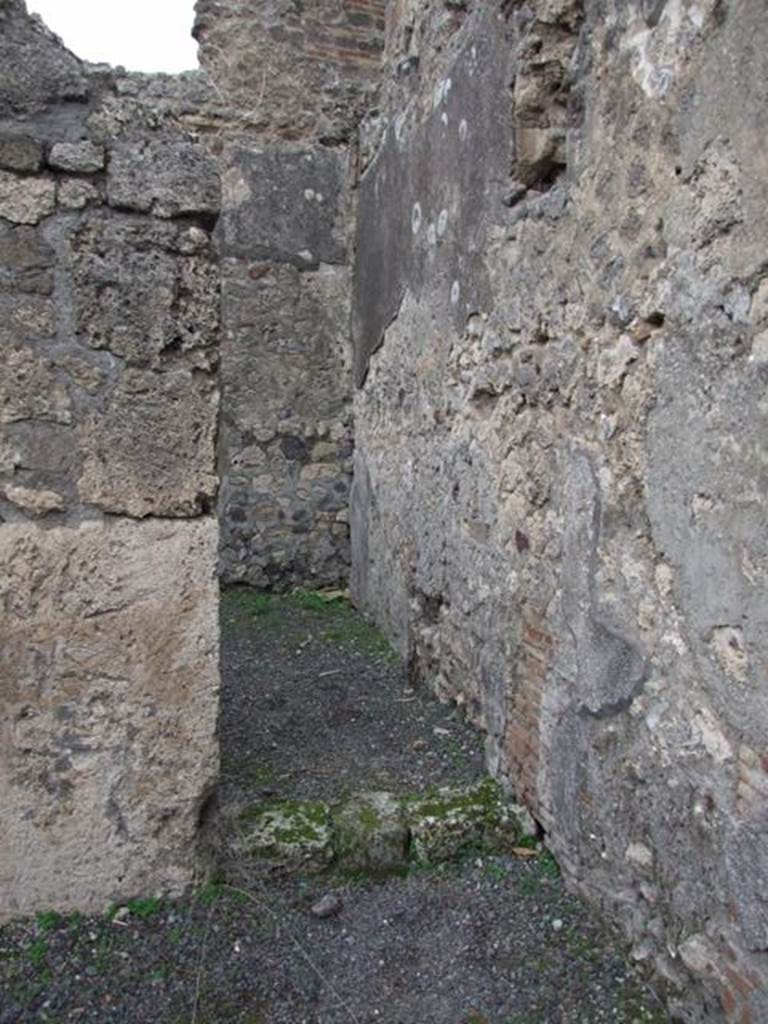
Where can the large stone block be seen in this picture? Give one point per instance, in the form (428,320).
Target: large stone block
(145,291)
(170,178)
(285,204)
(108,703)
(150,449)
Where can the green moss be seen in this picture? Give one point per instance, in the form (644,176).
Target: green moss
(246,602)
(369,818)
(293,821)
(483,800)
(323,602)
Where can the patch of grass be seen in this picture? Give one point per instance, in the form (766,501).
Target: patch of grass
(356,632)
(323,602)
(103,952)
(37,951)
(261,774)
(246,601)
(529,883)
(145,908)
(548,866)
(494,871)
(217,889)
(48,920)
(75,921)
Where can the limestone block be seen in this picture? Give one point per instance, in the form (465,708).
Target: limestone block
(20,152)
(80,157)
(289,835)
(150,449)
(108,703)
(455,818)
(371,833)
(168,178)
(26,200)
(137,295)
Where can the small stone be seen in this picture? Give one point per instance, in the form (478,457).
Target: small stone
(326,906)
(20,153)
(557,925)
(420,745)
(75,194)
(38,502)
(639,856)
(80,157)
(26,200)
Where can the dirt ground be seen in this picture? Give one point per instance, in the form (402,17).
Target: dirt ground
(315,705)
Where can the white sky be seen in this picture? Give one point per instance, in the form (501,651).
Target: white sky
(142,35)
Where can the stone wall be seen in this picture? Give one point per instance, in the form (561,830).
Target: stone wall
(290,83)
(108,402)
(560,320)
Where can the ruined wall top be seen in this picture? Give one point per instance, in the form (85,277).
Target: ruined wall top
(293,70)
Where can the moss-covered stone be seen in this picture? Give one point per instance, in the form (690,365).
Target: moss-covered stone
(291,834)
(371,834)
(450,820)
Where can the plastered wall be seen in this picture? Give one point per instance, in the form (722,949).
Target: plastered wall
(559,501)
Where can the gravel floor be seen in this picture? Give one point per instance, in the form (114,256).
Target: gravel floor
(315,704)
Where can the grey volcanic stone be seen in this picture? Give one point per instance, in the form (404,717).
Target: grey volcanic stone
(170,178)
(82,157)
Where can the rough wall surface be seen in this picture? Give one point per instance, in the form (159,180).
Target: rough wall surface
(290,83)
(109,301)
(560,318)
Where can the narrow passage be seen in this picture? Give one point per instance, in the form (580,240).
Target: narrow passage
(316,707)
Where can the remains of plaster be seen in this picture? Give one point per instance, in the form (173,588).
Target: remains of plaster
(559,487)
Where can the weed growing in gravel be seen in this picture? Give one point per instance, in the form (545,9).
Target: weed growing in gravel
(48,920)
(548,865)
(243,600)
(145,908)
(37,951)
(317,600)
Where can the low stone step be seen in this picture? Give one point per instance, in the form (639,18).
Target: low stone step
(381,832)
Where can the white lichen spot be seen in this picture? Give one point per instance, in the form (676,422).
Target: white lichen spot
(442,222)
(309,194)
(463,129)
(444,118)
(455,293)
(416,218)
